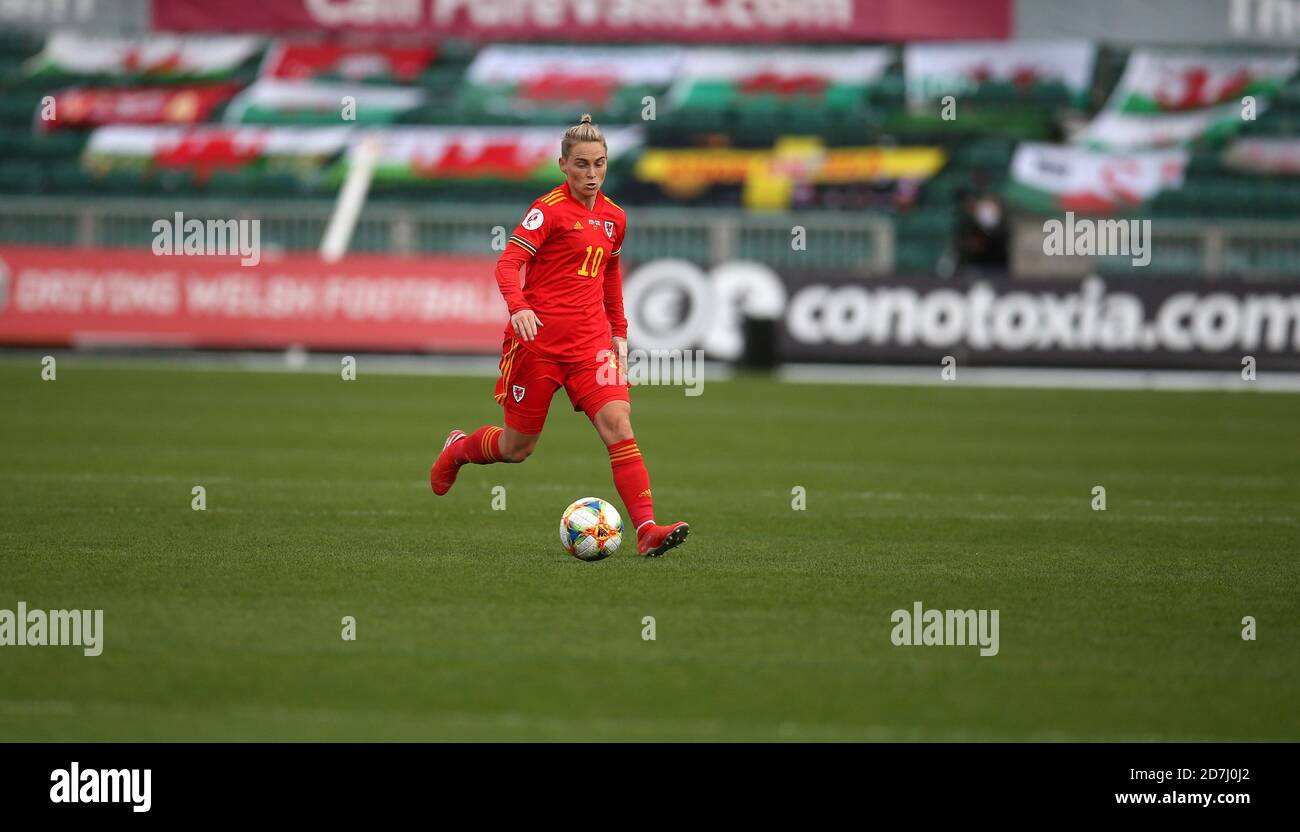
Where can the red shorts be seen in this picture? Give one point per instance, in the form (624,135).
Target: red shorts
(528,381)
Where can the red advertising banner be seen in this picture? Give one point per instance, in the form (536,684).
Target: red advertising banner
(312,61)
(130,297)
(78,107)
(680,21)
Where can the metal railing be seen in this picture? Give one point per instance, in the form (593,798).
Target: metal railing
(833,241)
(861,243)
(1179,248)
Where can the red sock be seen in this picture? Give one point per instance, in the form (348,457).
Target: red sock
(632,481)
(480,447)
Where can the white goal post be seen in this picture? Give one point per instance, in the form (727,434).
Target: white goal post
(361,166)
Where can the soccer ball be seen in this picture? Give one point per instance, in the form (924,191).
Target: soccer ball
(591,529)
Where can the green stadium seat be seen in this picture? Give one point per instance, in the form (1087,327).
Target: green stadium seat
(20,176)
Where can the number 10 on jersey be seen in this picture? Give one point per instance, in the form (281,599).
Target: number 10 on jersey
(595,262)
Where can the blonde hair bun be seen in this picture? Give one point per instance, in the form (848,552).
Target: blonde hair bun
(583,131)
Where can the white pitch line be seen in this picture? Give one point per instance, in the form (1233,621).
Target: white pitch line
(1071,378)
(479,366)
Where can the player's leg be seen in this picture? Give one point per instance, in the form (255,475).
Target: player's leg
(516,446)
(613,421)
(524,389)
(484,446)
(598,389)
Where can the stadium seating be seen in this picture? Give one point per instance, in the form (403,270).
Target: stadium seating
(881,111)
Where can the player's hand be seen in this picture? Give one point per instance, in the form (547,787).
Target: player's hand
(525,324)
(620,348)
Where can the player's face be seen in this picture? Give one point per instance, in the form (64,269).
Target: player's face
(585,168)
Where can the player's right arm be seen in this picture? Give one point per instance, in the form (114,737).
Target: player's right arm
(522,246)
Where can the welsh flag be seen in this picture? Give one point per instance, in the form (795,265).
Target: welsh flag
(1266,155)
(723,78)
(290,61)
(933,70)
(554,80)
(412,154)
(81,107)
(1050,178)
(207,148)
(270,101)
(155,57)
(1169,99)
(1128,131)
(1157,81)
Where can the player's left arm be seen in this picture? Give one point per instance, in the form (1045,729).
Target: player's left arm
(614,301)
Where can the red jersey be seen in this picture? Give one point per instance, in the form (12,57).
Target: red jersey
(573,282)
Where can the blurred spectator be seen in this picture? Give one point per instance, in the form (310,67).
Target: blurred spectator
(981,229)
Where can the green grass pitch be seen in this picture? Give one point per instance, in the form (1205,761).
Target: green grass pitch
(771,623)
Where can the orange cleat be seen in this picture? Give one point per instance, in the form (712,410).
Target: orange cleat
(652,540)
(443,473)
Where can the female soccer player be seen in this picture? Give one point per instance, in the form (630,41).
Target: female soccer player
(566,329)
